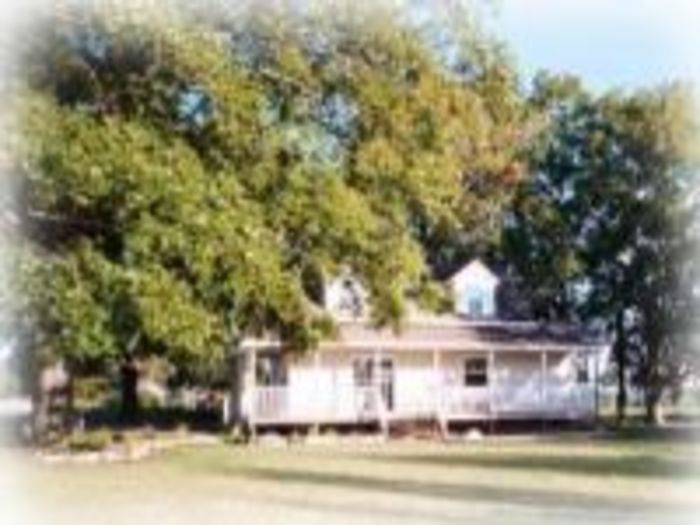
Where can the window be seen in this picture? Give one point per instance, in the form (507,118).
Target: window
(270,370)
(350,300)
(476,306)
(475,372)
(476,302)
(582,372)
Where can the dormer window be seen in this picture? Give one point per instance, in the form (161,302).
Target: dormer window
(345,296)
(474,289)
(476,306)
(350,301)
(476,301)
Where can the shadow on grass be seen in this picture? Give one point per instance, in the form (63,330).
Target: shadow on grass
(461,492)
(636,432)
(635,465)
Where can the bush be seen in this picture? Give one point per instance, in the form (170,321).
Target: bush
(92,391)
(92,441)
(236,436)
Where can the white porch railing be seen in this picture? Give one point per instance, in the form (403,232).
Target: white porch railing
(271,402)
(565,400)
(368,402)
(351,403)
(459,400)
(281,404)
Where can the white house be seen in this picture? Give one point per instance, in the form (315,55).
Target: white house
(467,366)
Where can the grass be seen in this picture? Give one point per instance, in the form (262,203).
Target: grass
(571,479)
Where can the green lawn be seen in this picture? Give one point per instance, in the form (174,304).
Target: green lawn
(500,480)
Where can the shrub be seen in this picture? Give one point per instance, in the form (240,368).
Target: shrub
(91,391)
(235,436)
(95,440)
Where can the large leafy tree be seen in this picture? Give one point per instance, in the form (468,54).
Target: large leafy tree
(183,183)
(604,230)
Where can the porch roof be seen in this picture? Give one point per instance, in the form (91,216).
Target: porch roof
(456,334)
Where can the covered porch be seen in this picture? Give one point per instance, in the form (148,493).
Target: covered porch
(341,385)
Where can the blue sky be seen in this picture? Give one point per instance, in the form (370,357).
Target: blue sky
(610,43)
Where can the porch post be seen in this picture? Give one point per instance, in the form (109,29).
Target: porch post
(543,376)
(438,395)
(596,394)
(543,385)
(377,379)
(492,390)
(317,377)
(253,352)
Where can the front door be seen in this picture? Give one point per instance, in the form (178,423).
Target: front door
(374,384)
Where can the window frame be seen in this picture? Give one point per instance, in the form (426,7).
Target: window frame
(478,301)
(476,372)
(350,300)
(271,370)
(582,370)
(476,306)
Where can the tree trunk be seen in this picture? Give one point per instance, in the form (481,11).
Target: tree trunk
(69,408)
(654,410)
(233,411)
(129,392)
(653,381)
(40,411)
(620,352)
(39,417)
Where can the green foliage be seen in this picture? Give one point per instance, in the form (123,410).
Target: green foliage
(187,182)
(92,391)
(92,441)
(606,228)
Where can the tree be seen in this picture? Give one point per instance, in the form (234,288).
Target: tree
(661,137)
(184,185)
(604,229)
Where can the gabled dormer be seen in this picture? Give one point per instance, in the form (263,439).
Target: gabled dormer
(345,297)
(474,291)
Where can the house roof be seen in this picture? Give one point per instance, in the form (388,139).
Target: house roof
(452,333)
(474,269)
(426,331)
(460,334)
